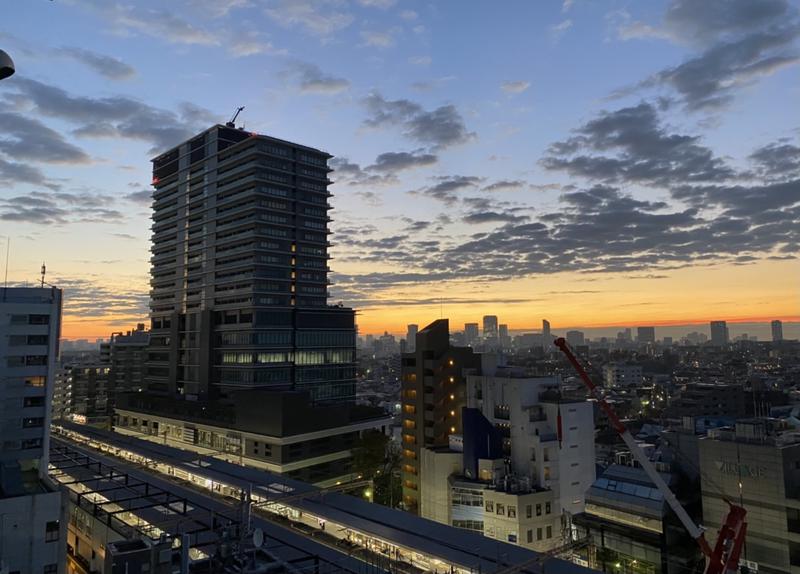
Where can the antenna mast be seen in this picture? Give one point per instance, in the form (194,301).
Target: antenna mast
(8,248)
(44,270)
(232,123)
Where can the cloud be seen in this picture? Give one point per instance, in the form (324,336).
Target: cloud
(312,80)
(735,42)
(558,30)
(446,188)
(382,4)
(143,197)
(398,161)
(114,116)
(777,159)
(127,19)
(26,138)
(106,66)
(320,18)
(241,44)
(516,87)
(420,60)
(45,208)
(409,15)
(631,145)
(504,184)
(12,173)
(378,39)
(351,174)
(96,299)
(442,127)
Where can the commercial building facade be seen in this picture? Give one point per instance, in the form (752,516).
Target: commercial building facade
(622,375)
(719,333)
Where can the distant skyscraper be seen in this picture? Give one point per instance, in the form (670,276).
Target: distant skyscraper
(32,536)
(575,338)
(505,339)
(490,326)
(411,337)
(471,333)
(719,333)
(646,334)
(546,332)
(777,331)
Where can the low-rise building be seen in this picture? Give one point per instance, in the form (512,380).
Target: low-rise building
(622,375)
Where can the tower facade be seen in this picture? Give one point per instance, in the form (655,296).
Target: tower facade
(239,271)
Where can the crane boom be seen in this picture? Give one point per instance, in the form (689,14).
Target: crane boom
(694,531)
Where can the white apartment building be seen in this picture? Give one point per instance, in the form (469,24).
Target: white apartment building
(622,375)
(31,525)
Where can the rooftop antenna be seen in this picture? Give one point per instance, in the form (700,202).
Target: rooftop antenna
(44,270)
(232,123)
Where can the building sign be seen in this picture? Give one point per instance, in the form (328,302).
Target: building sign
(741,469)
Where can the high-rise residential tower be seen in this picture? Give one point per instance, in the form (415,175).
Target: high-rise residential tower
(245,355)
(239,271)
(471,333)
(31,529)
(719,333)
(777,331)
(411,337)
(546,332)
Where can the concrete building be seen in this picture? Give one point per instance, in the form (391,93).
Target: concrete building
(432,395)
(90,391)
(631,527)
(546,331)
(709,400)
(31,519)
(622,375)
(512,475)
(239,272)
(471,334)
(719,333)
(490,327)
(127,354)
(757,464)
(505,338)
(777,331)
(575,338)
(411,337)
(646,335)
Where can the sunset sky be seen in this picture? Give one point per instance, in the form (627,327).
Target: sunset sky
(598,163)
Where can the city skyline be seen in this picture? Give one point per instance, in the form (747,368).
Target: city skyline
(616,166)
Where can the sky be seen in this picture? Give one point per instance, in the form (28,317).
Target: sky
(598,163)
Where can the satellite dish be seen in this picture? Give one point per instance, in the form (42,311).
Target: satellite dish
(258,538)
(6,65)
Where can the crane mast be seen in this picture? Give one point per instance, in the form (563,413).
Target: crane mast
(724,557)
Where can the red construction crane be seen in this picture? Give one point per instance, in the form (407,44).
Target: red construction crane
(724,557)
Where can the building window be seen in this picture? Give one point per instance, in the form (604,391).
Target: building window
(501,509)
(538,510)
(512,537)
(32,422)
(528,512)
(530,536)
(50,569)
(538,534)
(51,531)
(512,511)
(33,402)
(547,508)
(549,531)
(489,506)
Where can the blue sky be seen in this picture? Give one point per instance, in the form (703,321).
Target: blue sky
(493,154)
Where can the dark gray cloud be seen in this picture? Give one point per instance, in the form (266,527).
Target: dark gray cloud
(351,174)
(94,298)
(736,42)
(631,145)
(25,138)
(114,116)
(12,173)
(505,185)
(778,159)
(442,127)
(111,68)
(447,188)
(398,161)
(143,197)
(46,208)
(312,80)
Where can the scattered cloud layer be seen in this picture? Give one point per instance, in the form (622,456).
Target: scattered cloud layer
(111,68)
(312,80)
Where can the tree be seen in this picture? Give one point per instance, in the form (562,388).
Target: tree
(377,458)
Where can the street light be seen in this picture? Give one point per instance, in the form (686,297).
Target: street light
(6,65)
